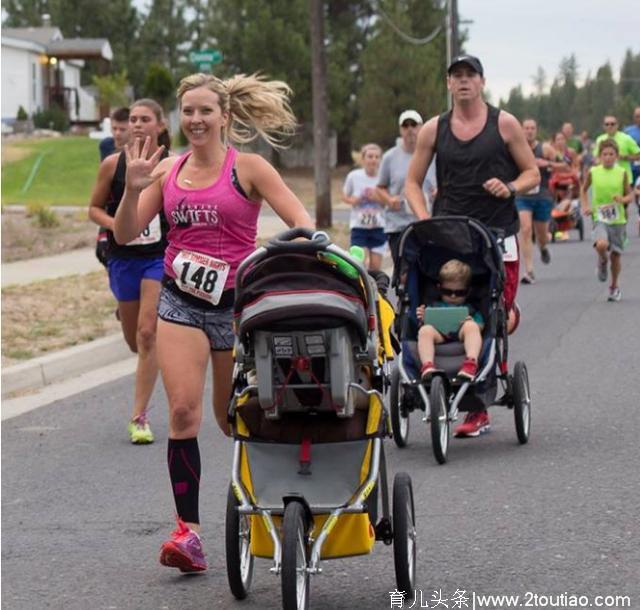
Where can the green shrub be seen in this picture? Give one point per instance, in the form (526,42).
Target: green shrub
(158,85)
(43,215)
(22,114)
(112,89)
(51,118)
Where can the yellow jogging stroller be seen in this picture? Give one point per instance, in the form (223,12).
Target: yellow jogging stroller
(308,419)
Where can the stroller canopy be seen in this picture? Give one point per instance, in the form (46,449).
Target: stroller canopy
(426,245)
(297,288)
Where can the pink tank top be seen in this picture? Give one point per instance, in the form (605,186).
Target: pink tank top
(217,220)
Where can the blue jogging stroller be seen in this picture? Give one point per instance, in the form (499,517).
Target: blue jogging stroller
(424,247)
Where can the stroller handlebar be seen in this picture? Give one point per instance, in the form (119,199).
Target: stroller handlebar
(283,242)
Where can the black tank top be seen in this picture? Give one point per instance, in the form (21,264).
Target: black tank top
(115,250)
(543,191)
(462,167)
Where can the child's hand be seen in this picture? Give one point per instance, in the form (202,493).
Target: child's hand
(420,313)
(618,198)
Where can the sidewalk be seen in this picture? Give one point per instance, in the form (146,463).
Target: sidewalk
(84,260)
(39,373)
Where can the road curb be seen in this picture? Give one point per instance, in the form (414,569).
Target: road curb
(45,370)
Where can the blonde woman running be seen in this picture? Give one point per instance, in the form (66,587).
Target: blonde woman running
(211,197)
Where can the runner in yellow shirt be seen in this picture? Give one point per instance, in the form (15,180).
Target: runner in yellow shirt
(610,193)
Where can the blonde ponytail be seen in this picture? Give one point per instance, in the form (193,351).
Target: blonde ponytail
(256,106)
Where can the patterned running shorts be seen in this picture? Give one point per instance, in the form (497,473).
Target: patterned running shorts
(217,324)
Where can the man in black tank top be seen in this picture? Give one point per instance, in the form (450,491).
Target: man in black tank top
(534,206)
(483,160)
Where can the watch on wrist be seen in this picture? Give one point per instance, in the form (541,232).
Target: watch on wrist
(512,189)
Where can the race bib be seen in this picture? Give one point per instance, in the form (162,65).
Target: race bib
(510,249)
(369,218)
(608,213)
(151,235)
(200,275)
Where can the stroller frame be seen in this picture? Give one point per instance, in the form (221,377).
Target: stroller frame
(244,502)
(442,398)
(378,470)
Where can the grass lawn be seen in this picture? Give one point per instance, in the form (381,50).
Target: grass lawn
(65,176)
(70,165)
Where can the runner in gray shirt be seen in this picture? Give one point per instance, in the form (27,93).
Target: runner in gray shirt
(393,171)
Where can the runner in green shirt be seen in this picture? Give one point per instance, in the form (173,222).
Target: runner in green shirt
(610,193)
(628,149)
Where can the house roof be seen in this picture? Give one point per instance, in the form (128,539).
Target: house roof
(64,48)
(81,48)
(41,35)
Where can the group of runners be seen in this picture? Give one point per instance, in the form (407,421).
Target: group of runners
(179,226)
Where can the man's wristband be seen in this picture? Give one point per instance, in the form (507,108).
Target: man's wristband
(512,189)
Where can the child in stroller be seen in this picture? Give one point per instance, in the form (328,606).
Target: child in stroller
(565,216)
(454,283)
(425,248)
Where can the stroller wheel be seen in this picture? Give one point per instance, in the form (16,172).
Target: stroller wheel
(238,549)
(404,532)
(397,410)
(521,401)
(439,413)
(295,577)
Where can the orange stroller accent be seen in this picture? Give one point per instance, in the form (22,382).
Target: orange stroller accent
(565,188)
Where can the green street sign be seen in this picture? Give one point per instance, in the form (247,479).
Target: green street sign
(205,59)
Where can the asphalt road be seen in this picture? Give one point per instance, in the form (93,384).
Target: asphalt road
(84,512)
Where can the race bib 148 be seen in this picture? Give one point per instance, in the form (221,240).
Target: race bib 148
(200,275)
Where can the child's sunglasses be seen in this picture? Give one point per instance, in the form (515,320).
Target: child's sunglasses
(450,292)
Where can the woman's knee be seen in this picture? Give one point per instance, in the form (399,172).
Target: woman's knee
(146,337)
(183,416)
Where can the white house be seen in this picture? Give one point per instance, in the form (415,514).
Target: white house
(41,68)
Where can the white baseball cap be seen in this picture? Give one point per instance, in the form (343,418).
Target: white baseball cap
(410,115)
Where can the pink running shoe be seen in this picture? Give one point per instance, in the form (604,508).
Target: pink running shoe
(183,550)
(475,423)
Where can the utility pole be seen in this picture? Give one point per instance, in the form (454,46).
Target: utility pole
(453,38)
(320,116)
(455,32)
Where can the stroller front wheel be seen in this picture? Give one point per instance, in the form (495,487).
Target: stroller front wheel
(238,549)
(439,415)
(295,576)
(398,412)
(404,533)
(521,401)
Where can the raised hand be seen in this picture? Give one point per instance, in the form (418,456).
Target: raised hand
(140,169)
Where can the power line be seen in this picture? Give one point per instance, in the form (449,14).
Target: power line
(404,35)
